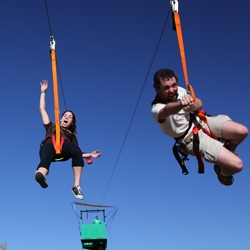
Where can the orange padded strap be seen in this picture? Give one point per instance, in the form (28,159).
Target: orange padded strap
(177,22)
(202,115)
(56,101)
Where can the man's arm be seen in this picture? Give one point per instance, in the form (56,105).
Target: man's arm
(186,103)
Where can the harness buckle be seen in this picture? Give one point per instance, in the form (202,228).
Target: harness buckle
(174,5)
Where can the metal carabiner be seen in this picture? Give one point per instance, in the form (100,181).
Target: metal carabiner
(52,43)
(174,5)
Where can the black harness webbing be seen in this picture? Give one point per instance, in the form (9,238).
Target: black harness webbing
(66,135)
(178,149)
(180,159)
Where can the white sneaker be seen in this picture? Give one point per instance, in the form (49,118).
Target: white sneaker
(77,192)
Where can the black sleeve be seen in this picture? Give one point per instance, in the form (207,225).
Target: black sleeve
(47,126)
(74,140)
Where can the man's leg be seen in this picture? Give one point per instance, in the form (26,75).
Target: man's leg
(229,162)
(234,133)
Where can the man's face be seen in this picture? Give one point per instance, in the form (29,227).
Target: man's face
(168,89)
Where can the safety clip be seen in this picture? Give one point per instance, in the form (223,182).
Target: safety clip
(175,5)
(52,43)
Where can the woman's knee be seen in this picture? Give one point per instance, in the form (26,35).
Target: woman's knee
(71,149)
(76,151)
(47,154)
(47,151)
(77,160)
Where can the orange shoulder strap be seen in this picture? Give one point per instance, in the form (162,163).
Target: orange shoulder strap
(55,87)
(177,28)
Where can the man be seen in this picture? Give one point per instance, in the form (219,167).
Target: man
(171,110)
(96,220)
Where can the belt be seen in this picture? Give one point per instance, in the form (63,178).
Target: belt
(188,138)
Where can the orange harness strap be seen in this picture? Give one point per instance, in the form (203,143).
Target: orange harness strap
(177,28)
(202,115)
(53,139)
(58,144)
(190,90)
(196,142)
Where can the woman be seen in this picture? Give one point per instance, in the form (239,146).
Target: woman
(70,148)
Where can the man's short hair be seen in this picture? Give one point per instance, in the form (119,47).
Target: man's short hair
(163,74)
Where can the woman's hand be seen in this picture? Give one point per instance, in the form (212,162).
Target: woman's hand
(95,154)
(44,85)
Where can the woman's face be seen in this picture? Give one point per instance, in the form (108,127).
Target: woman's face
(66,120)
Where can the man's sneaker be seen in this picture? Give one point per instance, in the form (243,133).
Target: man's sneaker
(77,192)
(225,180)
(41,179)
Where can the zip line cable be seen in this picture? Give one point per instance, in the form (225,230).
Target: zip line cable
(138,100)
(136,106)
(58,72)
(47,11)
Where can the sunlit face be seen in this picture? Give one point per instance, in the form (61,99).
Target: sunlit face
(66,120)
(168,89)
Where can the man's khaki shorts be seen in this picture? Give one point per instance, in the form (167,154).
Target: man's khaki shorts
(209,148)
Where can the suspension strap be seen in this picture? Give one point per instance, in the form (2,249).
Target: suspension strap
(177,28)
(196,144)
(56,101)
(202,115)
(53,139)
(180,159)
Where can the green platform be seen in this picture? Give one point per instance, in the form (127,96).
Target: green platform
(93,236)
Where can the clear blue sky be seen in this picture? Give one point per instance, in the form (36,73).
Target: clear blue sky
(104,49)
